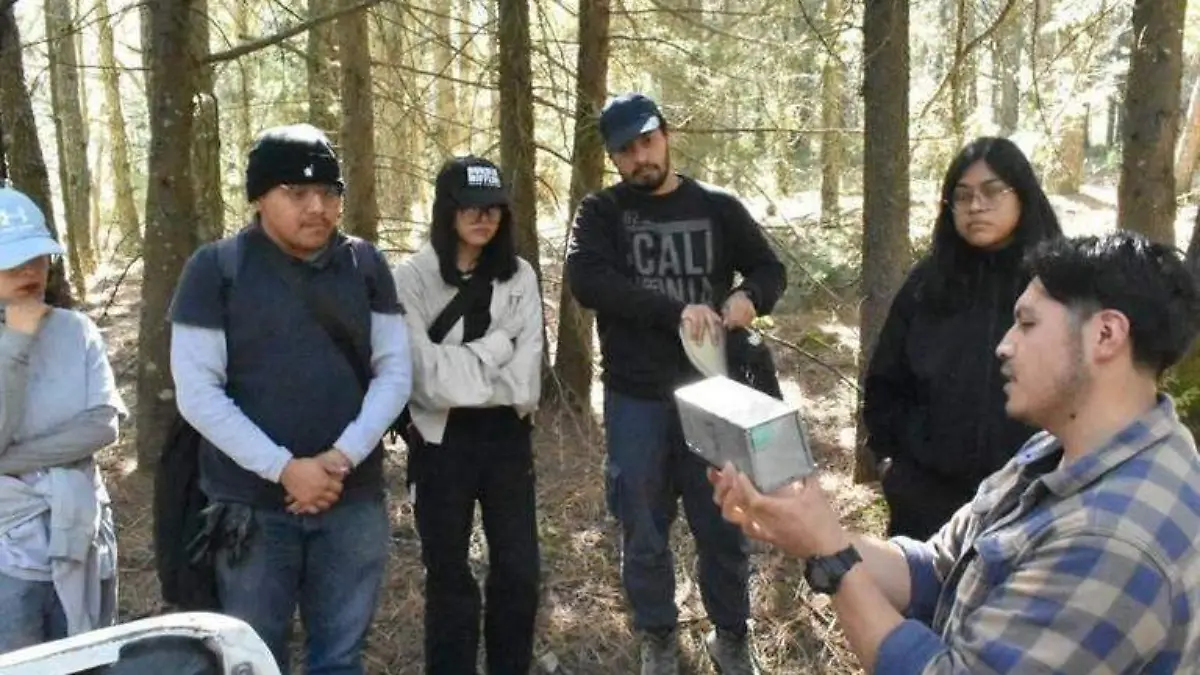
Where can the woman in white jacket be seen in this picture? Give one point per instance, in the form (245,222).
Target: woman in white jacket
(59,405)
(475,322)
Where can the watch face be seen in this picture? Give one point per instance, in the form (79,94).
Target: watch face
(818,577)
(824,573)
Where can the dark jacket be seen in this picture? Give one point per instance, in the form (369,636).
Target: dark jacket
(934,399)
(284,371)
(638,260)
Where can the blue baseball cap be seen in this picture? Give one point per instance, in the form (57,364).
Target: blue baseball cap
(626,117)
(23,232)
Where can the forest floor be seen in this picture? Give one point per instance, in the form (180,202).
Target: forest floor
(583,625)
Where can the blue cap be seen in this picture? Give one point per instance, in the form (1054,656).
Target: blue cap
(23,232)
(626,117)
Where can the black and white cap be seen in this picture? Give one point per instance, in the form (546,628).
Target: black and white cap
(471,181)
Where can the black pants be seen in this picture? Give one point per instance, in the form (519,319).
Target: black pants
(449,479)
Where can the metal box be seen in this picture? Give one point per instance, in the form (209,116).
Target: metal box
(726,421)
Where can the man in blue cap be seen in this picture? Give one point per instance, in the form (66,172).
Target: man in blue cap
(652,254)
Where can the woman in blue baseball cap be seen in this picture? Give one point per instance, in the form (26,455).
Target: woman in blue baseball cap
(59,405)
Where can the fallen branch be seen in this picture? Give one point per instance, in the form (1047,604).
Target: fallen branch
(813,357)
(117,286)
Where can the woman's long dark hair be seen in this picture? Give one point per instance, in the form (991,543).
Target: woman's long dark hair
(499,257)
(951,257)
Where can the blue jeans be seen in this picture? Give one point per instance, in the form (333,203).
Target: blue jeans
(649,470)
(331,564)
(30,612)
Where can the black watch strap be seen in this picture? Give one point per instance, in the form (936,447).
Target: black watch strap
(824,573)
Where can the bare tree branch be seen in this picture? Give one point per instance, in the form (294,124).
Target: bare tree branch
(814,358)
(262,43)
(821,35)
(960,57)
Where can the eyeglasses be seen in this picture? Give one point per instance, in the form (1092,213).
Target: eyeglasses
(477,213)
(302,194)
(989,194)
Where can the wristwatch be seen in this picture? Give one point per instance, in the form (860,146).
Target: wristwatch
(824,573)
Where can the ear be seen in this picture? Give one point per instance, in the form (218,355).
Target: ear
(1109,334)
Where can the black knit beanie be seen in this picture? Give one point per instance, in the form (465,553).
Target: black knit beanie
(292,154)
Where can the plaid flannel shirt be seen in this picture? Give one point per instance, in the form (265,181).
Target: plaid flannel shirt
(1093,567)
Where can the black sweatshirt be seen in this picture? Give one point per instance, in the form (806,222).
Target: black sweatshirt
(638,259)
(933,395)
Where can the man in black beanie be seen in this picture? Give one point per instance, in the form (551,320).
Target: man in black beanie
(290,357)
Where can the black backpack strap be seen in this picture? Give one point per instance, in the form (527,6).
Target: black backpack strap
(331,320)
(228,251)
(437,331)
(457,307)
(323,310)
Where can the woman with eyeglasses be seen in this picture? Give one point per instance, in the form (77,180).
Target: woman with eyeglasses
(475,324)
(59,406)
(934,399)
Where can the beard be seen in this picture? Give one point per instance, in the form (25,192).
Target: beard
(649,177)
(1065,393)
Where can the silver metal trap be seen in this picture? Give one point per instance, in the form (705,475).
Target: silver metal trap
(726,421)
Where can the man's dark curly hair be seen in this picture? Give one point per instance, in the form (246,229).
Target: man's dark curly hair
(1147,282)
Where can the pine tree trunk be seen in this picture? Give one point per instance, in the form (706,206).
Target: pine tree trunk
(396,114)
(95,212)
(1189,144)
(206,146)
(171,220)
(1007,47)
(1146,194)
(323,111)
(961,78)
(1067,174)
(468,73)
(22,150)
(573,353)
(128,221)
(517,155)
(95,180)
(71,136)
(831,117)
(493,67)
(1113,132)
(446,113)
(361,210)
(886,250)
(243,122)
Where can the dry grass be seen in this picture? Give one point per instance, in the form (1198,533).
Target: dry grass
(583,624)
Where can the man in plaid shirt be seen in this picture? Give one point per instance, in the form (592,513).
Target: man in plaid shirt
(1079,556)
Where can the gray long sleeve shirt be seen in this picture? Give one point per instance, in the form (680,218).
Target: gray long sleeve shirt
(58,405)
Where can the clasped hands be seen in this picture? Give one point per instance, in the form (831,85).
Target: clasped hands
(314,484)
